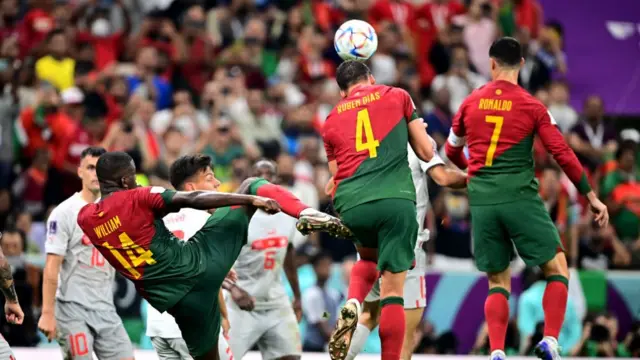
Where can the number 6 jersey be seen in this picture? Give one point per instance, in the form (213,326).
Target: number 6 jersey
(128,230)
(367,135)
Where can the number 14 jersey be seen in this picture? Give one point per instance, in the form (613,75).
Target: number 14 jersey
(367,135)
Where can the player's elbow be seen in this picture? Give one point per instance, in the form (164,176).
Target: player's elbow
(245,187)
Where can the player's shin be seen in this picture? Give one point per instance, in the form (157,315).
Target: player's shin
(496,312)
(392,327)
(363,275)
(358,341)
(554,303)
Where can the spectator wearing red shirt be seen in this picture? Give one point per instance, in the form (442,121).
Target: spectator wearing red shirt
(107,43)
(36,25)
(45,126)
(197,68)
(528,15)
(161,34)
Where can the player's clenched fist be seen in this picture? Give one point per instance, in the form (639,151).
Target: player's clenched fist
(13,313)
(47,325)
(267,205)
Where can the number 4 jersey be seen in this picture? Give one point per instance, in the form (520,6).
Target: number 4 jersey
(128,230)
(367,135)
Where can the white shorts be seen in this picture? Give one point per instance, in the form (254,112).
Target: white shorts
(274,331)
(5,350)
(82,331)
(415,290)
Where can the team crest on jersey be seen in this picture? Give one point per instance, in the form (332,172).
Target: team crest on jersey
(53,227)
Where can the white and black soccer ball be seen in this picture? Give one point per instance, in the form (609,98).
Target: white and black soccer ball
(355,40)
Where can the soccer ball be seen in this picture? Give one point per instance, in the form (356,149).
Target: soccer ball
(355,40)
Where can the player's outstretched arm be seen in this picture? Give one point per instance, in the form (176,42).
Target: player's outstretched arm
(205,200)
(12,309)
(447,176)
(554,142)
(289,203)
(419,140)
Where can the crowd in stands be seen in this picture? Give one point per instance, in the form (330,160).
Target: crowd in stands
(241,80)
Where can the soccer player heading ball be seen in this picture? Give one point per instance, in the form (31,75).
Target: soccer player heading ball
(498,123)
(366,137)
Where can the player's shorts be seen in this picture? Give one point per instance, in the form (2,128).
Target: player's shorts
(198,313)
(388,225)
(82,331)
(171,349)
(524,223)
(5,350)
(274,331)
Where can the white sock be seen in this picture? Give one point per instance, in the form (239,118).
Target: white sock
(358,341)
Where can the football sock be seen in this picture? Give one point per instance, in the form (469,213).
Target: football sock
(392,326)
(358,341)
(554,303)
(496,313)
(289,204)
(363,275)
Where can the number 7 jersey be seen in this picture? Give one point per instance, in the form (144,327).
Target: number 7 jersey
(367,134)
(498,123)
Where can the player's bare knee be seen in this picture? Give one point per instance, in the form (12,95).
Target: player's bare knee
(392,284)
(500,279)
(556,266)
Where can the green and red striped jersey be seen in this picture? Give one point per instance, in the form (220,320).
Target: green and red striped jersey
(128,230)
(498,122)
(367,134)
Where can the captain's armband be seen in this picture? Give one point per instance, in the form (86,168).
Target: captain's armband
(455,140)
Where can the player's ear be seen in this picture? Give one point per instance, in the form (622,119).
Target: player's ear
(522,61)
(343,93)
(492,61)
(123,182)
(372,80)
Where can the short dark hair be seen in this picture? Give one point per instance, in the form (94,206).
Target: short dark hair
(186,166)
(93,151)
(112,165)
(351,72)
(506,51)
(54,33)
(625,147)
(12,229)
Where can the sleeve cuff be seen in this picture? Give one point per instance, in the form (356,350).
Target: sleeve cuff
(167,196)
(583,186)
(253,188)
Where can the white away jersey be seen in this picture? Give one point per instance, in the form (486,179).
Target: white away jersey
(183,225)
(260,262)
(85,277)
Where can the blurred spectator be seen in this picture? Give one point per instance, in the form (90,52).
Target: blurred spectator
(240,167)
(320,305)
(197,69)
(530,313)
(57,67)
(222,149)
(9,27)
(258,123)
(26,278)
(603,250)
(479,33)
(146,83)
(599,339)
(542,59)
(592,138)
(36,25)
(460,80)
(621,191)
(383,64)
(566,117)
(439,120)
(31,184)
(511,343)
(182,115)
(440,53)
(9,110)
(174,143)
(452,243)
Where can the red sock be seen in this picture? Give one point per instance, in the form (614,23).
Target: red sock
(391,329)
(554,303)
(290,204)
(496,312)
(363,275)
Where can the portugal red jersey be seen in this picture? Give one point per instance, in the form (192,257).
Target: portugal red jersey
(498,123)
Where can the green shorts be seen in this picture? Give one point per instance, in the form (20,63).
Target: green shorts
(198,312)
(388,225)
(523,223)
